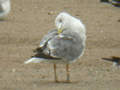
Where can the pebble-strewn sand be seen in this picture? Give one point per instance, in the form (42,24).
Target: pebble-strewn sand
(26,24)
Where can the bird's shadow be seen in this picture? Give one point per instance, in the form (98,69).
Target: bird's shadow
(65,82)
(52,83)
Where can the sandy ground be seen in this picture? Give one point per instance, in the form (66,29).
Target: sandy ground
(27,23)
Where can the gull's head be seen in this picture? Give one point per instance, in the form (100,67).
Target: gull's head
(62,21)
(65,21)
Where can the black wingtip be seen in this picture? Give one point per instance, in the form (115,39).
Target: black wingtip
(116,58)
(113,59)
(105,1)
(37,50)
(108,59)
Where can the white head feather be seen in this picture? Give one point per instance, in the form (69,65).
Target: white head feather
(66,21)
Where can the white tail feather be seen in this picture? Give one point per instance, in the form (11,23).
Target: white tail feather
(34,60)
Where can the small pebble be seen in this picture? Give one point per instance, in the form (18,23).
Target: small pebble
(101,31)
(13,70)
(50,13)
(119,20)
(34,85)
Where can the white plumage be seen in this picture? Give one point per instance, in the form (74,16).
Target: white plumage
(5,7)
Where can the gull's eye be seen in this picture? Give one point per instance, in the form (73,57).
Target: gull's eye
(60,20)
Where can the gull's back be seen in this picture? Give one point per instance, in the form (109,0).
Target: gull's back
(4,8)
(68,45)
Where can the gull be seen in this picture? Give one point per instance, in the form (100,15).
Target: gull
(4,8)
(64,45)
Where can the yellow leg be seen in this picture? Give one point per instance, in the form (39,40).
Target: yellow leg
(56,80)
(68,73)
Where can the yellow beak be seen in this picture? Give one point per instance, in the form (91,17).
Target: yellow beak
(59,31)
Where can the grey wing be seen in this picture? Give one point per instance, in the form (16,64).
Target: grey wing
(1,9)
(47,37)
(64,46)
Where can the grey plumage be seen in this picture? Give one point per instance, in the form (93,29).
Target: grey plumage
(1,9)
(5,7)
(67,46)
